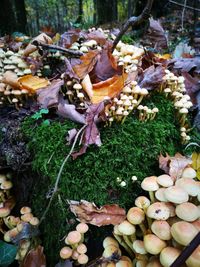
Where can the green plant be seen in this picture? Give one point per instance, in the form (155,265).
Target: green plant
(39,115)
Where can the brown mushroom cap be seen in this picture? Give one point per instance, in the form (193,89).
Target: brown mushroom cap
(6,185)
(165,180)
(150,184)
(183,232)
(135,215)
(154,263)
(65,253)
(123,263)
(82,228)
(158,211)
(189,173)
(110,241)
(194,259)
(142,202)
(187,211)
(168,255)
(81,249)
(141,263)
(161,229)
(27,217)
(189,185)
(176,194)
(109,250)
(138,246)
(25,210)
(126,228)
(4,212)
(34,221)
(73,237)
(82,259)
(153,244)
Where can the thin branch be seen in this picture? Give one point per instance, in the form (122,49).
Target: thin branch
(69,52)
(55,189)
(134,21)
(182,5)
(182,16)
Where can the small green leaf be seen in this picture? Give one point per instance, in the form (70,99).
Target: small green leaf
(46,122)
(44,111)
(7,253)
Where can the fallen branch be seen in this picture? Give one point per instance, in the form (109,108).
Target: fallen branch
(182,5)
(134,21)
(55,189)
(69,52)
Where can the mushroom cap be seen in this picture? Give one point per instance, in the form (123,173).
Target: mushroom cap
(25,210)
(135,215)
(65,253)
(161,229)
(6,185)
(138,246)
(4,212)
(196,224)
(142,202)
(110,241)
(75,254)
(176,194)
(165,180)
(159,194)
(126,228)
(73,237)
(189,173)
(2,178)
(27,217)
(141,263)
(116,230)
(157,246)
(82,259)
(194,259)
(183,232)
(187,211)
(150,183)
(168,255)
(171,208)
(158,211)
(82,228)
(123,263)
(190,186)
(154,263)
(81,249)
(109,250)
(34,221)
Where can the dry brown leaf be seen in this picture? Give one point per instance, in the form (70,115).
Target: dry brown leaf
(34,258)
(11,79)
(177,164)
(111,87)
(87,64)
(164,163)
(41,38)
(87,86)
(32,83)
(89,213)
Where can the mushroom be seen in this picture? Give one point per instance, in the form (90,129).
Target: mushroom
(150,184)
(171,208)
(154,263)
(122,263)
(196,224)
(109,250)
(110,241)
(25,210)
(189,173)
(81,249)
(65,253)
(136,216)
(153,244)
(187,211)
(138,247)
(34,221)
(128,232)
(183,232)
(176,194)
(4,212)
(73,238)
(165,180)
(6,185)
(158,211)
(168,255)
(190,186)
(27,217)
(161,229)
(159,194)
(82,228)
(194,259)
(142,202)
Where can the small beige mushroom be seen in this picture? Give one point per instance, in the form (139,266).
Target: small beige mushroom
(189,173)
(73,237)
(65,253)
(189,185)
(142,202)
(194,259)
(81,249)
(138,246)
(159,194)
(187,211)
(150,184)
(161,229)
(168,255)
(110,241)
(158,211)
(153,244)
(165,180)
(176,194)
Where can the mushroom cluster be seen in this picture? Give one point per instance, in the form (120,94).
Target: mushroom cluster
(75,248)
(158,228)
(174,88)
(15,229)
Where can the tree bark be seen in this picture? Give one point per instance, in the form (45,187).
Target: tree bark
(20,15)
(7,17)
(80,11)
(106,11)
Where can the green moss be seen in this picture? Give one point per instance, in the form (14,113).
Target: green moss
(129,149)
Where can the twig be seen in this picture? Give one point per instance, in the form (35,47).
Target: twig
(70,52)
(186,253)
(182,16)
(55,189)
(178,4)
(134,21)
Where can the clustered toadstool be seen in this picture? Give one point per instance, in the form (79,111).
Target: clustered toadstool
(156,230)
(11,226)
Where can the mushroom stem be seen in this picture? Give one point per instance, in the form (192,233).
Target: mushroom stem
(143,228)
(152,197)
(124,245)
(127,241)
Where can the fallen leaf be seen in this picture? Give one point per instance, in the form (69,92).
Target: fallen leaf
(164,163)
(34,258)
(89,213)
(41,38)
(87,64)
(69,72)
(71,135)
(91,134)
(152,77)
(106,66)
(98,36)
(192,86)
(186,64)
(32,83)
(69,111)
(111,87)
(87,86)
(156,35)
(34,63)
(48,97)
(8,253)
(71,36)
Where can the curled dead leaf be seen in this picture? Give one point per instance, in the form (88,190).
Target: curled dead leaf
(34,258)
(32,83)
(11,79)
(89,213)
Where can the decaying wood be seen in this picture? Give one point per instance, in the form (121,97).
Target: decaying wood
(134,21)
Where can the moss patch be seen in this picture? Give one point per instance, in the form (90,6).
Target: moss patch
(129,149)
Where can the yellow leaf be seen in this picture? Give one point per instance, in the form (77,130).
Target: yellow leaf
(198,173)
(32,83)
(194,160)
(164,56)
